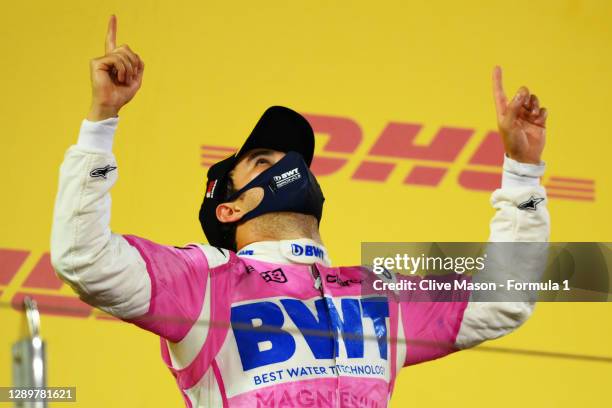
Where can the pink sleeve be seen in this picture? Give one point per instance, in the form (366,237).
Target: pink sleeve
(431,320)
(178,283)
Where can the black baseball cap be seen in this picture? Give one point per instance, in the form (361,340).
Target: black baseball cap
(279,128)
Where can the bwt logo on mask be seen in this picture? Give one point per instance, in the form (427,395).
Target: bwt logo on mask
(307,250)
(287,177)
(286,174)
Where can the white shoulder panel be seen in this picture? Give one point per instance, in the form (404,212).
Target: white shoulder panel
(215,256)
(186,350)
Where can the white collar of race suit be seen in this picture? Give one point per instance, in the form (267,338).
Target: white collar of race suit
(302,251)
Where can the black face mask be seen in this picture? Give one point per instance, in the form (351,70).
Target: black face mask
(288,185)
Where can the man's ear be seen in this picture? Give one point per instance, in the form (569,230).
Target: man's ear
(229,212)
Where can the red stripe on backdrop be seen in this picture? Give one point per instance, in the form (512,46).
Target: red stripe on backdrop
(323,166)
(572,180)
(490,152)
(425,176)
(10,262)
(397,140)
(223,148)
(477,180)
(571,197)
(54,305)
(213,156)
(557,187)
(43,276)
(373,171)
(106,317)
(345,134)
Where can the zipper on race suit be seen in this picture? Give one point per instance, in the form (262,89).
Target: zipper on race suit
(316,275)
(318,284)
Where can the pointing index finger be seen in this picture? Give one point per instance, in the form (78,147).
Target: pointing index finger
(498,91)
(111,35)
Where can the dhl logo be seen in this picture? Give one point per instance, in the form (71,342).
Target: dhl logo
(396,144)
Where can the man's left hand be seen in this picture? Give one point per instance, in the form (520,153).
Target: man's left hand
(521,122)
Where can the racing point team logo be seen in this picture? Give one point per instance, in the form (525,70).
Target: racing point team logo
(276,275)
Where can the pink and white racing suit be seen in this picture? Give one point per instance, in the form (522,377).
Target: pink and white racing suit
(274,325)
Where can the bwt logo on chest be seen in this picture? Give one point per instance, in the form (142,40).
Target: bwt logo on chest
(264,335)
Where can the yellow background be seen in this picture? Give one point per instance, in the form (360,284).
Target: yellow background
(211,70)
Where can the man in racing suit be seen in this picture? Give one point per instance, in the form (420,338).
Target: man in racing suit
(262,318)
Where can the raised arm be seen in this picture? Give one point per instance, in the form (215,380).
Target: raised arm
(521,216)
(99,265)
(434,329)
(158,287)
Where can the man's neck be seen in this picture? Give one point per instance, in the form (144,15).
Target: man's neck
(278,226)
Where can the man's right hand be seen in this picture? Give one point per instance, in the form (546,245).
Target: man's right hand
(115,77)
